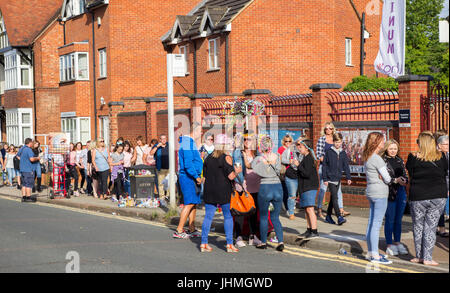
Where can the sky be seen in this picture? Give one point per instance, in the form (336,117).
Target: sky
(444,12)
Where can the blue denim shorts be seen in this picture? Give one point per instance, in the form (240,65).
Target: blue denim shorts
(308,198)
(28,179)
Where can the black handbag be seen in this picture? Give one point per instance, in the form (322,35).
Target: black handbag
(291,173)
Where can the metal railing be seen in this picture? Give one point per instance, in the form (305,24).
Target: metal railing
(363,106)
(435,109)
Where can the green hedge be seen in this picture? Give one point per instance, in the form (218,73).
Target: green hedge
(364,83)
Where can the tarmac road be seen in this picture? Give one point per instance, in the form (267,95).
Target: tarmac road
(40,238)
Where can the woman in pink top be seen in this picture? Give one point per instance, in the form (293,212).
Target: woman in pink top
(285,144)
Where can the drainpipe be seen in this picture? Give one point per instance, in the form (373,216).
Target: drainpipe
(34,90)
(363,29)
(63,23)
(94,77)
(195,67)
(227,61)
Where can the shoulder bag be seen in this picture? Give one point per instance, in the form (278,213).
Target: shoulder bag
(242,203)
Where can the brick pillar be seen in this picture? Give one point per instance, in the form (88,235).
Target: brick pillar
(320,108)
(409,90)
(151,107)
(114,109)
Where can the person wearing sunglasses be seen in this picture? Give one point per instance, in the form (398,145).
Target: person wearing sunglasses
(286,143)
(100,161)
(208,147)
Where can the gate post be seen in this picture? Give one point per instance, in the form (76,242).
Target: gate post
(320,108)
(410,88)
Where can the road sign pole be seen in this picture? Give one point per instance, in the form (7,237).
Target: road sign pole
(171,130)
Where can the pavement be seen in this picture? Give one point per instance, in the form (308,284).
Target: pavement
(349,236)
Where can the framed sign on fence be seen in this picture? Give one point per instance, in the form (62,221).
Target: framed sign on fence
(354,140)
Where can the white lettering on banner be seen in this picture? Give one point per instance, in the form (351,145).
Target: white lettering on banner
(391,55)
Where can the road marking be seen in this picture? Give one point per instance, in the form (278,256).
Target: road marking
(288,249)
(94,213)
(341,259)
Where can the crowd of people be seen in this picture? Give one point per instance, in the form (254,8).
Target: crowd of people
(295,173)
(92,169)
(298,173)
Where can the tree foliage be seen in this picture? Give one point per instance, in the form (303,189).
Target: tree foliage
(424,54)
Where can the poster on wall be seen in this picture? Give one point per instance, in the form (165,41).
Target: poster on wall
(354,140)
(277,135)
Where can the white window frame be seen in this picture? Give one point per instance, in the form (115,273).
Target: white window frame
(104,126)
(102,63)
(66,127)
(69,69)
(185,50)
(214,54)
(75,8)
(15,125)
(348,52)
(4,42)
(13,71)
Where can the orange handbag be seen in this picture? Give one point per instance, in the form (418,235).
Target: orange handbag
(242,203)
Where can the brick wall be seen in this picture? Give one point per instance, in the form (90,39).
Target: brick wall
(47,79)
(131,125)
(18,98)
(288,51)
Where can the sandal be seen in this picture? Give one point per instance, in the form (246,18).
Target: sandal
(205,248)
(416,260)
(231,248)
(430,263)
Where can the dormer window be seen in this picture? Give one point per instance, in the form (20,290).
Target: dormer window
(3,36)
(74,8)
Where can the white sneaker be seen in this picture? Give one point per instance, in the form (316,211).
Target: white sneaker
(254,241)
(392,250)
(402,249)
(239,242)
(380,260)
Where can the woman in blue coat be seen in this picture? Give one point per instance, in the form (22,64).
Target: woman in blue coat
(189,177)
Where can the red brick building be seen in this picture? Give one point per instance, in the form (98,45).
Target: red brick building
(101,66)
(29,36)
(282,46)
(117,46)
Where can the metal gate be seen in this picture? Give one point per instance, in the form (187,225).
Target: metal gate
(434,110)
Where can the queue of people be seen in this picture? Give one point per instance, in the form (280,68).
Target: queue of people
(249,163)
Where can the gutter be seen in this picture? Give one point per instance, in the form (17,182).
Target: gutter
(227,64)
(34,89)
